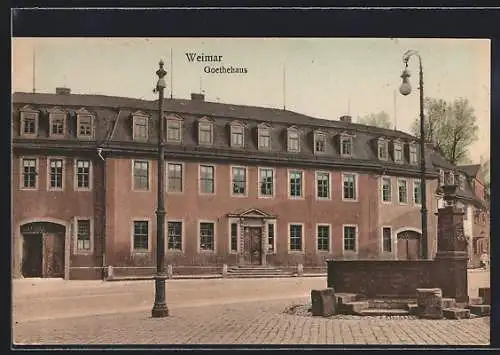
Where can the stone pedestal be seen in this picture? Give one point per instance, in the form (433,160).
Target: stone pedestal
(224,270)
(323,302)
(430,303)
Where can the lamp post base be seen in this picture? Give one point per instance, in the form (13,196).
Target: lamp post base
(160,308)
(159,311)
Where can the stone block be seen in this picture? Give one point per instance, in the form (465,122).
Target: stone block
(354,307)
(485,294)
(323,302)
(449,303)
(430,303)
(480,309)
(475,301)
(345,297)
(456,313)
(412,308)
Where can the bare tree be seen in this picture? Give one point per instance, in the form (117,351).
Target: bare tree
(380,119)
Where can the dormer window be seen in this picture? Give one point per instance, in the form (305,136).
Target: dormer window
(174,129)
(264,137)
(346,145)
(383,149)
(29,121)
(319,142)
(85,124)
(451,178)
(461,182)
(441,177)
(57,122)
(140,126)
(237,135)
(293,140)
(413,154)
(205,132)
(398,152)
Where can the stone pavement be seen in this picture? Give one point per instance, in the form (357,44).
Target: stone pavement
(212,312)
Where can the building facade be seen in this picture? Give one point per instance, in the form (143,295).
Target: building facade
(244,185)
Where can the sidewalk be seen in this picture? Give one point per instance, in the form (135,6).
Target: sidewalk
(213,276)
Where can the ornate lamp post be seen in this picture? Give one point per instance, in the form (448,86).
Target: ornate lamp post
(160,306)
(405,89)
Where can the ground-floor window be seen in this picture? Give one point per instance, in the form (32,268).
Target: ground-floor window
(349,238)
(174,235)
(270,237)
(386,240)
(295,237)
(207,236)
(323,238)
(141,235)
(83,235)
(234,237)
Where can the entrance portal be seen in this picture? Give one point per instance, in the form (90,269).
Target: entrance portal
(253,245)
(409,245)
(43,249)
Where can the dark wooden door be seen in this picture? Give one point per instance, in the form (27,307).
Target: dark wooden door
(32,255)
(53,255)
(408,246)
(253,245)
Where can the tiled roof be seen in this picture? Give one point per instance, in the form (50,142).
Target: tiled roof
(470,170)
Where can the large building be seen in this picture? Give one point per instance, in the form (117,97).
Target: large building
(244,185)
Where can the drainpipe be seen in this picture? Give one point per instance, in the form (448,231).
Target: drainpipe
(103,226)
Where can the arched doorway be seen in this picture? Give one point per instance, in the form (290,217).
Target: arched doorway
(409,245)
(43,249)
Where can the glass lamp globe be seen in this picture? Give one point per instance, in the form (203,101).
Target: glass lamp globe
(405,88)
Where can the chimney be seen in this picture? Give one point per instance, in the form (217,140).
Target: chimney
(197,97)
(346,119)
(63,91)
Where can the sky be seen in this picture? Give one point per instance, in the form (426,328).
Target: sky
(321,77)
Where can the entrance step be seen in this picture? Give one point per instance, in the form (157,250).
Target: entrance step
(256,271)
(383,312)
(388,303)
(354,307)
(456,313)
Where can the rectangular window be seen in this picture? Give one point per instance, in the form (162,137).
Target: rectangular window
(205,133)
(236,136)
(270,237)
(239,180)
(461,182)
(141,235)
(295,183)
(398,153)
(83,174)
(266,182)
(174,236)
(141,175)
(295,237)
(323,185)
(264,138)
(293,141)
(56,173)
(323,238)
(386,189)
(29,122)
(383,150)
(234,237)
(413,154)
(349,187)
(207,179)
(29,173)
(403,191)
(349,238)
(56,124)
(441,177)
(84,126)
(141,128)
(206,236)
(319,143)
(387,240)
(346,146)
(173,131)
(451,178)
(417,192)
(174,177)
(83,235)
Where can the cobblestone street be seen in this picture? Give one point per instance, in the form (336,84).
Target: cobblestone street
(247,311)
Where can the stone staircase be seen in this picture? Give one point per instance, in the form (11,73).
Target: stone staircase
(256,271)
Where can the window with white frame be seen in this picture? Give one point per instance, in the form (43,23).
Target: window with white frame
(296,183)
(383,149)
(29,173)
(413,154)
(319,142)
(441,177)
(349,191)
(386,240)
(386,189)
(205,132)
(323,236)
(417,192)
(57,123)
(140,130)
(207,179)
(293,144)
(398,152)
(295,237)
(322,185)
(141,236)
(461,182)
(266,183)
(271,230)
(82,174)
(264,138)
(239,177)
(350,238)
(174,235)
(403,191)
(83,234)
(234,237)
(451,178)
(29,122)
(56,174)
(85,126)
(207,236)
(141,175)
(346,145)
(174,172)
(237,135)
(173,130)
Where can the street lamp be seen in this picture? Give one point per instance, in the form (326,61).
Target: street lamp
(405,89)
(160,306)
